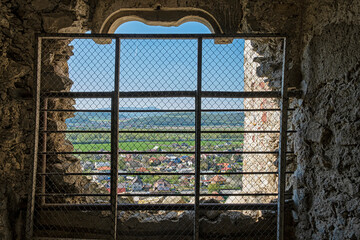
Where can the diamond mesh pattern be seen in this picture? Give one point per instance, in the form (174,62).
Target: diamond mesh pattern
(173,142)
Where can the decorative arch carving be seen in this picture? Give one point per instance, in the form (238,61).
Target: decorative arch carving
(162,17)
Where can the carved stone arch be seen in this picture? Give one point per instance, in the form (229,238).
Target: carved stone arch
(163,17)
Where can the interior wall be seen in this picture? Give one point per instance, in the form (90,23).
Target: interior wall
(323,53)
(328,122)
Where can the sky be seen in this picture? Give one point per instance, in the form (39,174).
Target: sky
(157,65)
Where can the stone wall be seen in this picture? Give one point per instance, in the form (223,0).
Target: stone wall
(259,121)
(323,52)
(327,142)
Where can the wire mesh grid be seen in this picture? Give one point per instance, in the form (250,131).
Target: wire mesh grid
(174,138)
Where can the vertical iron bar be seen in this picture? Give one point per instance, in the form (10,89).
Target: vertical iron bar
(44,149)
(32,178)
(115,140)
(282,149)
(198,140)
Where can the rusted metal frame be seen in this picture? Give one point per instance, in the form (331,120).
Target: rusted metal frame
(198,97)
(158,207)
(32,178)
(44,149)
(282,147)
(115,142)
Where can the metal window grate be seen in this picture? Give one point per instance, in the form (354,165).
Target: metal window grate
(198,165)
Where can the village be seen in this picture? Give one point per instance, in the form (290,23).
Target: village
(141,173)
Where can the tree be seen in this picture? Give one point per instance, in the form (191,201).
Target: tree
(214,187)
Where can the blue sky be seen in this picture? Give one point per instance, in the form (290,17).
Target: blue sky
(157,65)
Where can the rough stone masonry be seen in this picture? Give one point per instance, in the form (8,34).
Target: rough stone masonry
(323,61)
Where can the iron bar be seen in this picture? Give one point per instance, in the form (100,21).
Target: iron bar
(76,131)
(241,173)
(44,149)
(73,195)
(158,173)
(170,110)
(74,174)
(147,152)
(164,131)
(154,131)
(33,171)
(160,110)
(115,140)
(198,139)
(282,149)
(76,110)
(158,207)
(170,94)
(158,36)
(153,194)
(77,94)
(56,153)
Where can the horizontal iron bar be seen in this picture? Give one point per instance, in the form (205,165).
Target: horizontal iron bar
(74,110)
(167,94)
(243,110)
(240,152)
(77,131)
(240,173)
(130,152)
(169,110)
(74,174)
(77,95)
(157,36)
(137,207)
(160,131)
(159,110)
(156,194)
(249,152)
(156,173)
(239,194)
(72,195)
(56,153)
(154,131)
(157,94)
(249,131)
(258,94)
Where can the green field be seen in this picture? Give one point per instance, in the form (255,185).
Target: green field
(144,146)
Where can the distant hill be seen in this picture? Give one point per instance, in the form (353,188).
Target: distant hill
(92,120)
